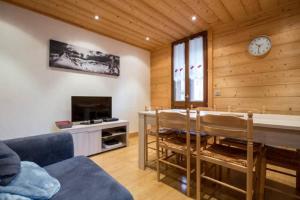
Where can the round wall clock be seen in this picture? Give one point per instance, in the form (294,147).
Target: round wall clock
(260,46)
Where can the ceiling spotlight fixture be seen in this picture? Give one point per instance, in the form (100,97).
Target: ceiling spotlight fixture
(194,18)
(147,38)
(96,17)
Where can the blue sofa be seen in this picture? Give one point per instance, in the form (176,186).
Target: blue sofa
(80,178)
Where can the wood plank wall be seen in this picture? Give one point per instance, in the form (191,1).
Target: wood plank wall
(249,82)
(161,77)
(242,80)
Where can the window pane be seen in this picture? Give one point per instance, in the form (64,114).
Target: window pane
(179,72)
(196,71)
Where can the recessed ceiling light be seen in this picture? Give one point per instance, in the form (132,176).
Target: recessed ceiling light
(147,38)
(96,17)
(194,18)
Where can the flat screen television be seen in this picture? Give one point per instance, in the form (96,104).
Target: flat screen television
(90,108)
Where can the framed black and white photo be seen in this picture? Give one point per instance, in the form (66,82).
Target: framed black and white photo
(68,56)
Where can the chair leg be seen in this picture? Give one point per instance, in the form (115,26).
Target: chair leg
(198,179)
(177,158)
(146,152)
(249,185)
(188,175)
(249,193)
(220,174)
(257,175)
(167,154)
(298,173)
(227,172)
(157,162)
(262,177)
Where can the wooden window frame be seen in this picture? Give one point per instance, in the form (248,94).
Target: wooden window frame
(187,103)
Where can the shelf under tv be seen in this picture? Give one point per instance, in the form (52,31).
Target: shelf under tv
(113,147)
(113,135)
(88,139)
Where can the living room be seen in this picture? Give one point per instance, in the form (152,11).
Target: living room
(122,99)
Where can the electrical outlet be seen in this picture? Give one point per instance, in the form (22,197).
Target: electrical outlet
(217,92)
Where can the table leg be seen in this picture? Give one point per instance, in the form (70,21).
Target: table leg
(298,172)
(262,176)
(142,122)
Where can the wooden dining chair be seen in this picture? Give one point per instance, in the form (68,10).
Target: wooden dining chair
(176,144)
(205,108)
(283,158)
(240,143)
(261,110)
(150,136)
(229,157)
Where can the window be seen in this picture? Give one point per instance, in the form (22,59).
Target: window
(189,72)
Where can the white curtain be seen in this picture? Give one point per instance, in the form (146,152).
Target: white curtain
(196,72)
(179,71)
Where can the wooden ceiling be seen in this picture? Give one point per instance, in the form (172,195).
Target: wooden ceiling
(163,21)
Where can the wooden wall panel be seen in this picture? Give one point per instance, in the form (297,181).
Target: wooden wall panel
(272,81)
(161,77)
(244,81)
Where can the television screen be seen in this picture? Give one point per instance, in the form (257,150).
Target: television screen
(90,108)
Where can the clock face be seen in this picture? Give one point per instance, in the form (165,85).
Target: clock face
(260,46)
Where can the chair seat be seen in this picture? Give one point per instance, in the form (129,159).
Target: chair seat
(177,144)
(286,158)
(240,144)
(226,154)
(163,132)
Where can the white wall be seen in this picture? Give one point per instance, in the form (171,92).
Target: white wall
(34,96)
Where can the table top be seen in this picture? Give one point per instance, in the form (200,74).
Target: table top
(291,122)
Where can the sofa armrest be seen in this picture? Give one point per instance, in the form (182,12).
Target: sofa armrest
(43,149)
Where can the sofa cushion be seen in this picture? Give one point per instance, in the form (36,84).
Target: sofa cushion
(81,178)
(43,149)
(9,164)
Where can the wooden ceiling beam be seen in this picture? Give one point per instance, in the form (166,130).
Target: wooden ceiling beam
(164,21)
(164,9)
(117,16)
(157,16)
(106,16)
(251,6)
(107,23)
(201,9)
(187,12)
(268,4)
(236,9)
(72,18)
(147,19)
(268,16)
(220,11)
(86,16)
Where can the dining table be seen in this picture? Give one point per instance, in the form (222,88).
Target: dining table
(268,129)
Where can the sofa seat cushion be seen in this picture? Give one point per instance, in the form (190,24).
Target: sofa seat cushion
(81,178)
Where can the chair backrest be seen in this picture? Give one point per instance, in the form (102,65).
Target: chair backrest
(148,108)
(173,120)
(205,108)
(245,109)
(226,126)
(152,108)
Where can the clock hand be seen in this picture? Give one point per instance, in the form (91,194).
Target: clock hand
(258,45)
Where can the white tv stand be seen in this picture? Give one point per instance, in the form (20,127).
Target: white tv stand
(89,139)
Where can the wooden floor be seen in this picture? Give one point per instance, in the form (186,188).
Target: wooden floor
(122,164)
